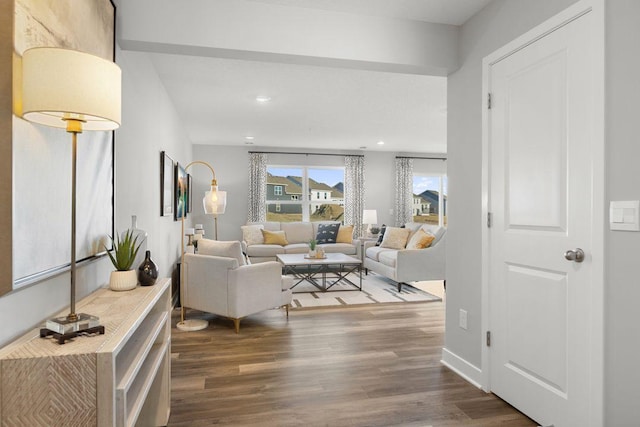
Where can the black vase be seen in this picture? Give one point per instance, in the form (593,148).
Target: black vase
(147,272)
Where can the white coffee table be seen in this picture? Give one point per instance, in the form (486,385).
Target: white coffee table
(317,270)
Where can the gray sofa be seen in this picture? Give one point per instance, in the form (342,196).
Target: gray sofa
(408,265)
(298,235)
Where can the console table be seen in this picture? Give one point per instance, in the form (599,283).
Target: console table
(121,378)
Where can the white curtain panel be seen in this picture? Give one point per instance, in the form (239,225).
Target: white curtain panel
(354,192)
(404,190)
(257,187)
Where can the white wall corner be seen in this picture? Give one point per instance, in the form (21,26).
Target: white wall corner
(461,367)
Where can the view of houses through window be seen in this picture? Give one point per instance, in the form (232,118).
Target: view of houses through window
(305,193)
(428,206)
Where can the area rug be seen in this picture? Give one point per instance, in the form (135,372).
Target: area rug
(376,289)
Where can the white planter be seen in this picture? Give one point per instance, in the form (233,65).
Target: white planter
(123,280)
(312,253)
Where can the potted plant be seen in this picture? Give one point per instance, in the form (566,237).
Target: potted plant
(312,248)
(124,253)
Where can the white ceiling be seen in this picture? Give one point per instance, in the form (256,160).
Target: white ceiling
(452,12)
(312,106)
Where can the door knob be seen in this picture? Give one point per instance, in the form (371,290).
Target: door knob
(577,255)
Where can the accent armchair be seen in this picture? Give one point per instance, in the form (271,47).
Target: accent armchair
(221,286)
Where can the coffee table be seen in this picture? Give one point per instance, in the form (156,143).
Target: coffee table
(317,270)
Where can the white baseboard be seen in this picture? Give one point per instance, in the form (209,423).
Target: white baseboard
(461,367)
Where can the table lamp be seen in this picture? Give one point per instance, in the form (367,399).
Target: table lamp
(77,92)
(369,217)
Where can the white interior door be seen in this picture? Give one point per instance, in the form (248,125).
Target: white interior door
(541,148)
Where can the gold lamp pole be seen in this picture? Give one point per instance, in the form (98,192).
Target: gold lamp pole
(75,91)
(214,202)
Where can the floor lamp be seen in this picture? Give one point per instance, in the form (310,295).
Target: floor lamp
(78,92)
(214,202)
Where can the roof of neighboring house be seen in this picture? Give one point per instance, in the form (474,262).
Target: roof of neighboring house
(420,196)
(432,195)
(317,186)
(289,186)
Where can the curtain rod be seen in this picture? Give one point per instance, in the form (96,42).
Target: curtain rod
(423,158)
(305,154)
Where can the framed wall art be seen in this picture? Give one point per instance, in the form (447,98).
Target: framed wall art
(166,184)
(42,155)
(180,192)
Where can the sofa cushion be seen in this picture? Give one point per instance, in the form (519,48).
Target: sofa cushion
(274,238)
(436,230)
(228,249)
(327,233)
(297,232)
(296,248)
(421,239)
(252,234)
(395,238)
(264,250)
(345,234)
(268,225)
(374,252)
(388,258)
(343,248)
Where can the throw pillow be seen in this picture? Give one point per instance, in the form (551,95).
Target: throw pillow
(228,249)
(327,233)
(420,240)
(381,236)
(252,234)
(395,238)
(345,234)
(274,238)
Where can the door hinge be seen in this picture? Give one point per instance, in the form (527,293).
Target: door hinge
(489,101)
(489,220)
(488,338)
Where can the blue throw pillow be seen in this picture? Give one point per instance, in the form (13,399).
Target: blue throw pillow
(381,235)
(327,233)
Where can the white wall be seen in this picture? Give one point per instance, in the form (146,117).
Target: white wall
(149,125)
(622,340)
(497,24)
(231,165)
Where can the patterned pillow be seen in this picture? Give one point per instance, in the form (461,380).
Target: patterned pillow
(381,235)
(395,238)
(420,240)
(274,238)
(327,233)
(345,234)
(252,234)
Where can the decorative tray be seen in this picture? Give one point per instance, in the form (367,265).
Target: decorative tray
(315,257)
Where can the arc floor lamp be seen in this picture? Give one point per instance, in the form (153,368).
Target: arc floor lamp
(77,92)
(214,203)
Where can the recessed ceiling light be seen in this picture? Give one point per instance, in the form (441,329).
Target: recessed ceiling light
(380,142)
(263,98)
(249,138)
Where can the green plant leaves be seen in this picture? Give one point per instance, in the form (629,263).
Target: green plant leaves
(125,250)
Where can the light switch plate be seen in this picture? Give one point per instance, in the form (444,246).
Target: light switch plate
(624,215)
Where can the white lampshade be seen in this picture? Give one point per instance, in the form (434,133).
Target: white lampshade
(61,83)
(215,201)
(189,231)
(369,216)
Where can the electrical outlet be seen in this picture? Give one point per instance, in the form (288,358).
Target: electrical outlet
(463,319)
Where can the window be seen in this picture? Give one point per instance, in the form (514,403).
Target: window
(428,206)
(305,193)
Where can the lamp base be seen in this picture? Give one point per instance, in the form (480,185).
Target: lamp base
(64,329)
(192,325)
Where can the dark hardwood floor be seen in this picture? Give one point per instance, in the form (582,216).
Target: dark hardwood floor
(375,365)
